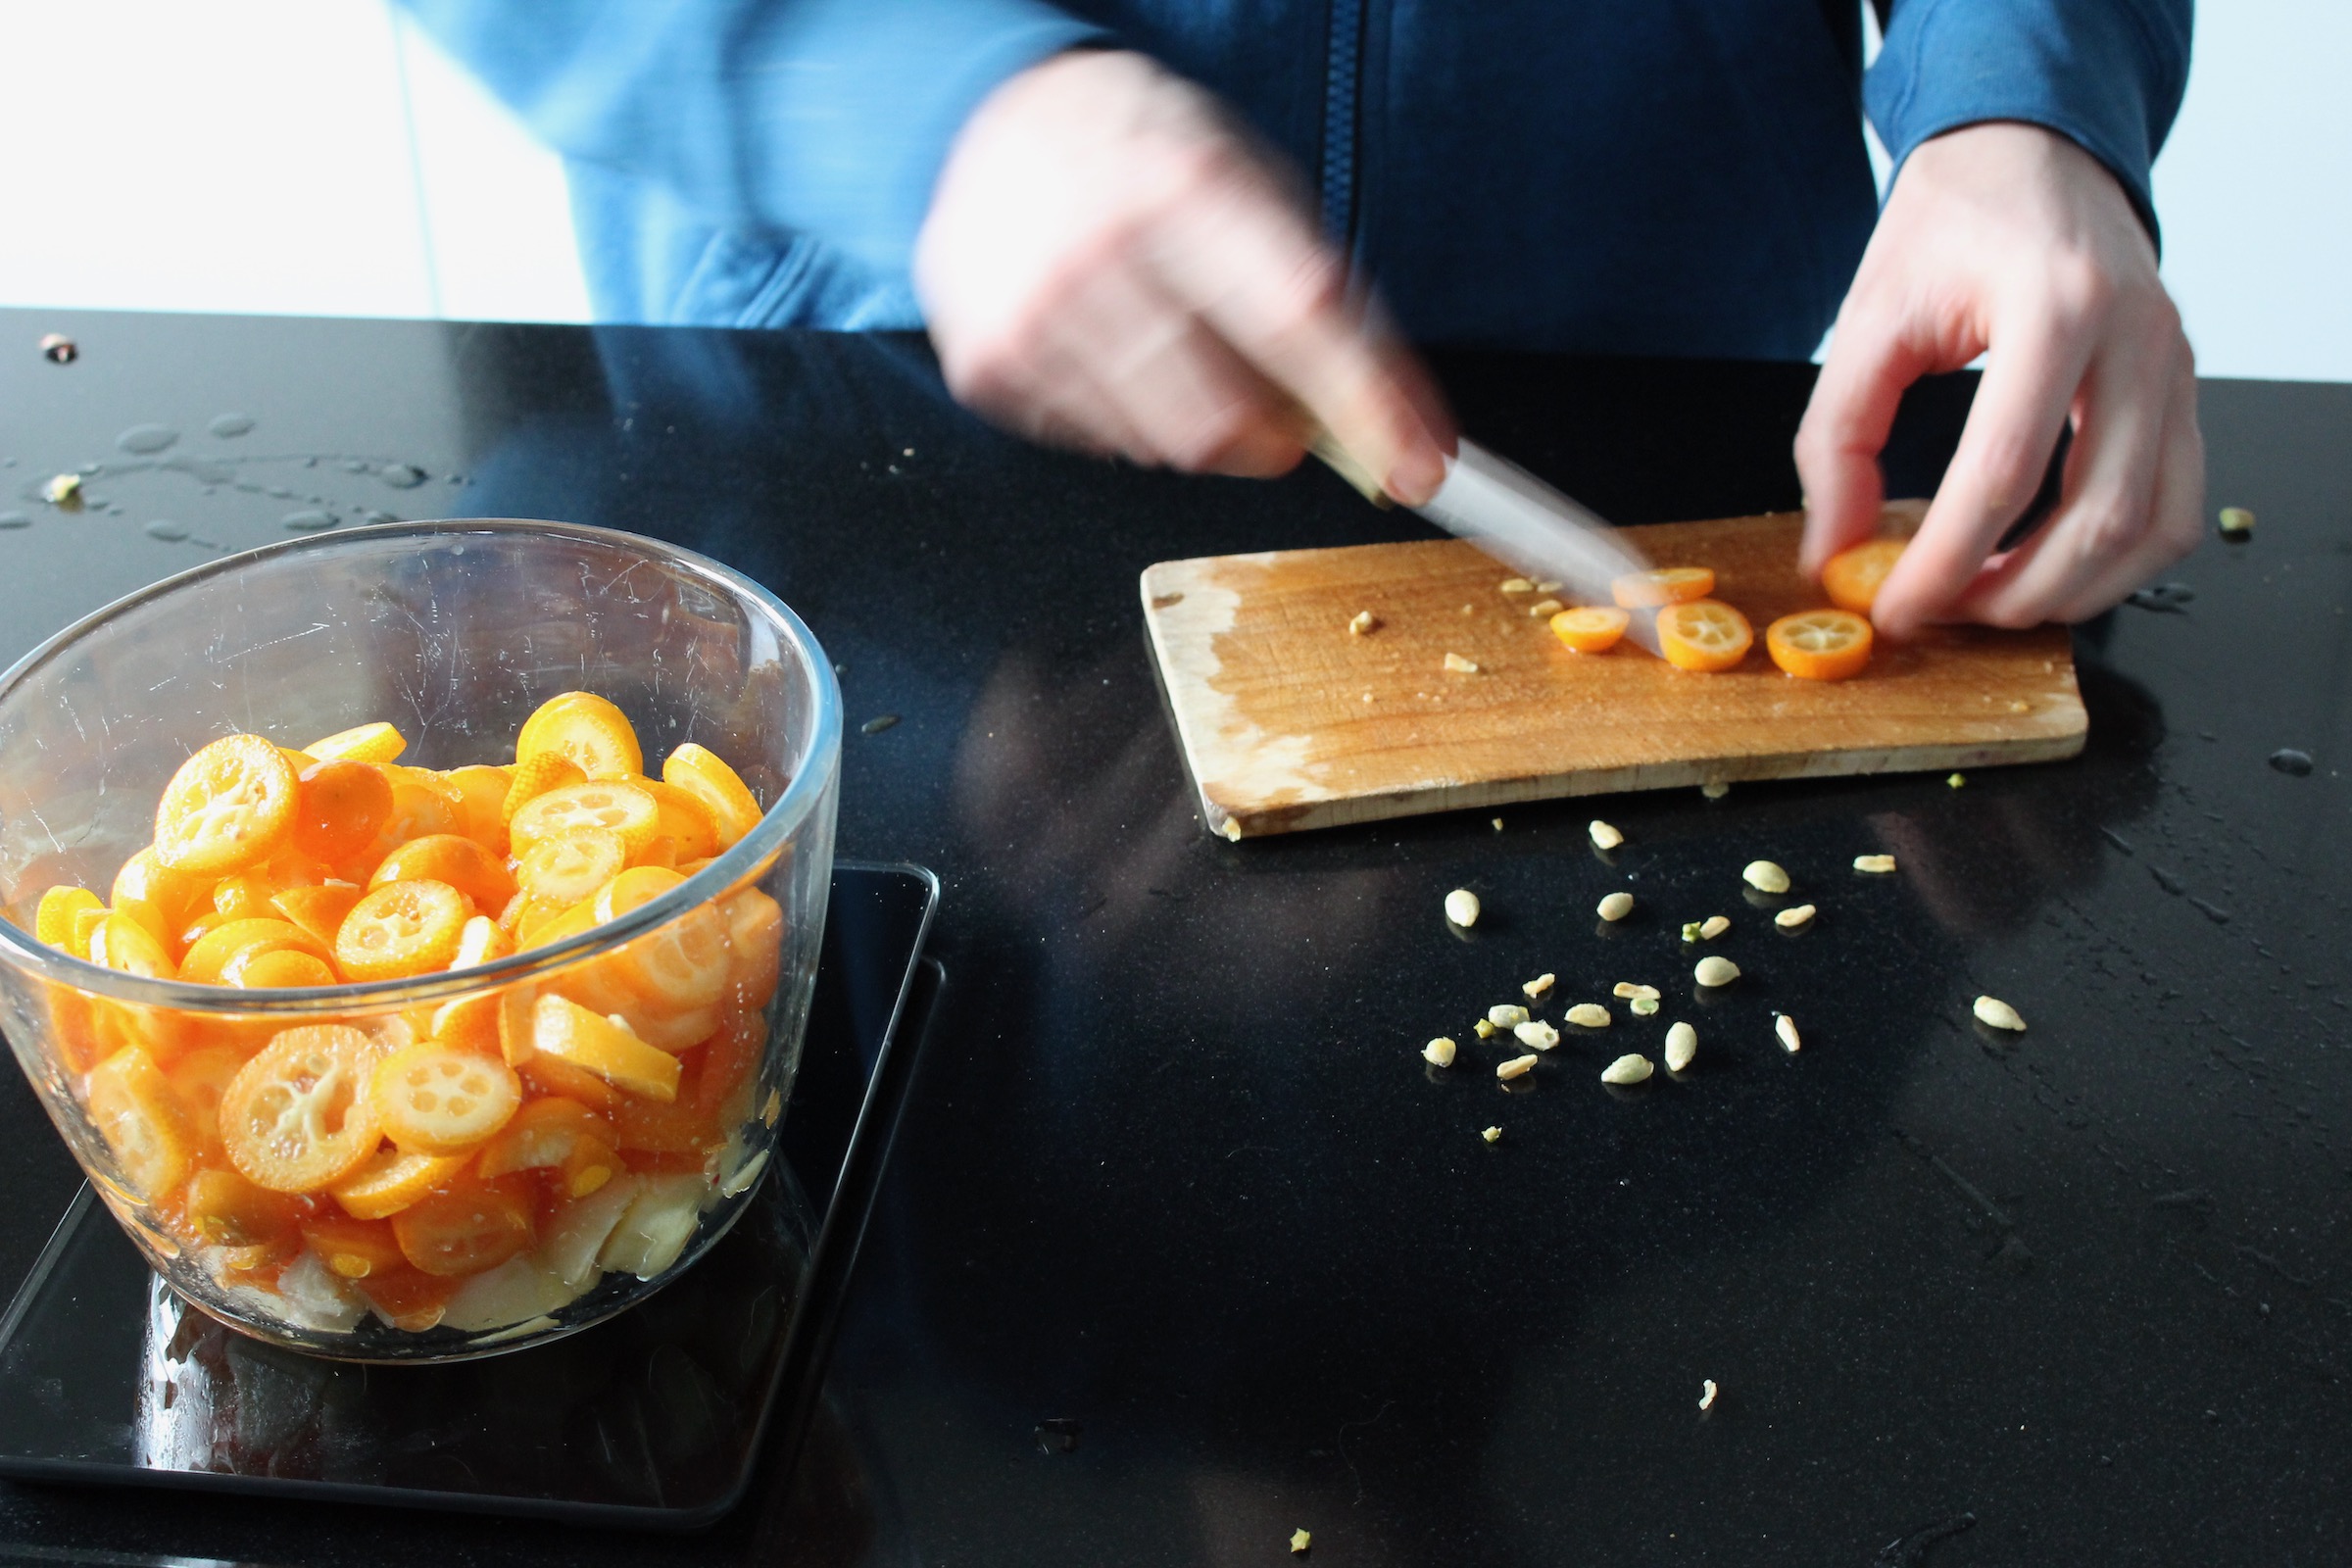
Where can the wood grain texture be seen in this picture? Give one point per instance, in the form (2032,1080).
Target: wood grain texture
(1289,721)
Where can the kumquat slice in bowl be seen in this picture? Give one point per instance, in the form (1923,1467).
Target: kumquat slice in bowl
(430,1032)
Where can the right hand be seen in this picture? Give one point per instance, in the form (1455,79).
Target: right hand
(1109,265)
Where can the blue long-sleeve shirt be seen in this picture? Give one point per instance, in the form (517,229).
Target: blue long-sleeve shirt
(1660,177)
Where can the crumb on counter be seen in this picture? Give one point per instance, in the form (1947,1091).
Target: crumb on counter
(1536,1034)
(1438,1052)
(1874,864)
(1715,790)
(1605,836)
(1493,1135)
(1459,665)
(1363,624)
(1461,907)
(1956,780)
(1706,1394)
(1538,985)
(1302,1539)
(2236,521)
(1517,585)
(1483,1029)
(1515,1068)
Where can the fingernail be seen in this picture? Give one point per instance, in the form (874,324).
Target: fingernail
(1416,477)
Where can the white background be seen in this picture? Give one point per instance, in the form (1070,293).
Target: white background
(321,157)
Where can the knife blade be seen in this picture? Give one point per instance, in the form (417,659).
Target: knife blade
(1519,519)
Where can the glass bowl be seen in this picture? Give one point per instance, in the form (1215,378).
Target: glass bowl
(454,632)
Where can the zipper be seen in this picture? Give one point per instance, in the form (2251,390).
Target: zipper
(1342,89)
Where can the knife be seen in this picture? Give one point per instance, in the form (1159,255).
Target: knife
(1517,519)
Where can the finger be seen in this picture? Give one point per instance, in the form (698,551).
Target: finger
(2103,512)
(1870,364)
(1250,268)
(1196,404)
(2176,512)
(2029,384)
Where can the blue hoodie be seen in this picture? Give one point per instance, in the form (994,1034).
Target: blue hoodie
(1654,177)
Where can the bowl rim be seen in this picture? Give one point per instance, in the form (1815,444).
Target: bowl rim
(740,863)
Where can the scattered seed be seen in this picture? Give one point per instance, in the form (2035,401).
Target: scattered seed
(1713,926)
(1483,1029)
(1517,1066)
(1626,989)
(2235,520)
(1517,585)
(1681,1044)
(1605,836)
(1538,985)
(1588,1016)
(1498,824)
(1706,1399)
(1644,1006)
(1765,877)
(2293,763)
(1785,1027)
(62,490)
(1999,1015)
(59,349)
(1439,1051)
(1956,780)
(1363,622)
(1626,1071)
(1790,919)
(1544,609)
(1616,905)
(1469,609)
(2017,705)
(1461,907)
(1537,1034)
(1875,865)
(1301,1540)
(1715,970)
(1459,665)
(1493,1135)
(1506,1015)
(1716,791)
(1546,586)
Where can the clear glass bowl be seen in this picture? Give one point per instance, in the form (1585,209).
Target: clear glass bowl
(455,632)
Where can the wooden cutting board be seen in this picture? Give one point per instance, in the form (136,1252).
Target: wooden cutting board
(1289,721)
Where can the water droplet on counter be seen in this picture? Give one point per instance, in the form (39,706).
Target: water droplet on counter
(303,521)
(15,519)
(228,426)
(2293,763)
(353,466)
(166,529)
(403,476)
(146,438)
(379,516)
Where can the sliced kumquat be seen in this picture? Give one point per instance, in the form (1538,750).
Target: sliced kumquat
(678,1128)
(1590,628)
(226,1209)
(450,858)
(85,929)
(340,807)
(208,957)
(682,964)
(1703,635)
(614,805)
(209,920)
(563,868)
(1852,577)
(670,1029)
(418,809)
(566,1031)
(200,1077)
(469,1226)
(586,728)
(435,1098)
(1820,643)
(1664,585)
(257,968)
(378,742)
(301,1115)
(633,888)
(131,1105)
(146,887)
(730,1062)
(545,771)
(403,928)
(587,1168)
(517,1006)
(120,943)
(716,787)
(482,941)
(319,910)
(481,796)
(542,1136)
(544,925)
(390,1180)
(230,805)
(551,1075)
(353,1249)
(409,1298)
(685,821)
(53,922)
(754,945)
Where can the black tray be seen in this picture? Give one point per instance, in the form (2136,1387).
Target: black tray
(654,1418)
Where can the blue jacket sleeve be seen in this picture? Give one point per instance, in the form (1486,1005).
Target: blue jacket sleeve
(2109,73)
(827,118)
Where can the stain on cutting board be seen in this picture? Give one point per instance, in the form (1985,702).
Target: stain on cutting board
(1289,721)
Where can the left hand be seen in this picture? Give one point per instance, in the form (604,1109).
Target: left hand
(2010,241)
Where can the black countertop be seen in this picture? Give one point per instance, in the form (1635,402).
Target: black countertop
(1183,1247)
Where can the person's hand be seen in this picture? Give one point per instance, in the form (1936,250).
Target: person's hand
(1107,265)
(2011,241)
